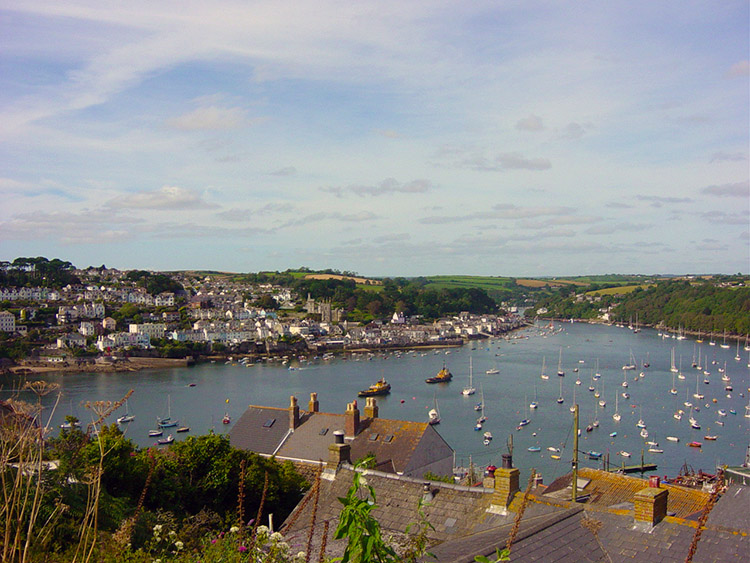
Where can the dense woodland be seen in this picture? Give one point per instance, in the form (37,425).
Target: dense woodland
(696,305)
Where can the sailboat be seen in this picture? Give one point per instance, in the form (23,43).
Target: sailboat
(127,417)
(560,371)
(544,375)
(167,422)
(679,370)
(724,344)
(482,418)
(737,354)
(560,399)
(526,420)
(673,390)
(602,402)
(631,365)
(640,423)
(434,413)
(534,404)
(673,367)
(624,377)
(616,416)
(697,394)
(470,390)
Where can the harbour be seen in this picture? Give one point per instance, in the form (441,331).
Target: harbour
(507,375)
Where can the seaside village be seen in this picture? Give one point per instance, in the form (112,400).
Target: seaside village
(222,312)
(585,515)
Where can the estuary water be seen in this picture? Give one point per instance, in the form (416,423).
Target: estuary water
(199,396)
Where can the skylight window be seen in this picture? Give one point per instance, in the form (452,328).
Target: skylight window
(374,437)
(323,432)
(388,439)
(268,423)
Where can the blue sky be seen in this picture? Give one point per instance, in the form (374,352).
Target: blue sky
(387,138)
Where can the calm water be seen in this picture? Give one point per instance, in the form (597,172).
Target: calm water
(221,388)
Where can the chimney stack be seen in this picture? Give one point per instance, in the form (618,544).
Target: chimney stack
(351,422)
(313,406)
(371,408)
(338,452)
(293,413)
(506,485)
(650,507)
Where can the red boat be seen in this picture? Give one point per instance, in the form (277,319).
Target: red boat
(695,444)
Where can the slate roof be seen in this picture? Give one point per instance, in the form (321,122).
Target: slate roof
(392,441)
(251,430)
(613,490)
(551,530)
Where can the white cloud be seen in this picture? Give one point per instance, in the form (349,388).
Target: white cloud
(210,118)
(165,198)
(530,123)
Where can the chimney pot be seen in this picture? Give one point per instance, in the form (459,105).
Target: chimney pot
(338,437)
(507,461)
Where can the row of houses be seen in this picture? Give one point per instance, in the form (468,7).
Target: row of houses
(136,296)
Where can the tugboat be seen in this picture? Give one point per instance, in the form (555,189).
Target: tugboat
(381,387)
(443,376)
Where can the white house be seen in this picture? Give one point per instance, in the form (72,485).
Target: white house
(7,321)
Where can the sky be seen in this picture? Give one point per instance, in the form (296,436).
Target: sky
(388,138)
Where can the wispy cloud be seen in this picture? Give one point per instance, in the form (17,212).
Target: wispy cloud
(728,157)
(330,216)
(723,218)
(386,187)
(285,171)
(741,68)
(210,118)
(530,123)
(165,198)
(246,214)
(83,227)
(659,201)
(738,189)
(503,211)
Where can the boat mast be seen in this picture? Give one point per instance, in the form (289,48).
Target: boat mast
(574,483)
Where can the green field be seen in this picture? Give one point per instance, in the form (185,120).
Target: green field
(481,282)
(621,290)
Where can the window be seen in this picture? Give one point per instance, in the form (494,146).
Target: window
(323,432)
(388,439)
(268,423)
(373,437)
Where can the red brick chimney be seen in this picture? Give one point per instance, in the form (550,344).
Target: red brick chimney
(313,406)
(371,408)
(351,422)
(293,413)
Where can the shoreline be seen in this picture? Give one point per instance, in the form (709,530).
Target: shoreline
(117,365)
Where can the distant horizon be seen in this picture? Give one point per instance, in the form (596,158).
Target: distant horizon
(378,276)
(388,136)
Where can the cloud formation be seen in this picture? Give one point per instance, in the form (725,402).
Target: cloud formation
(738,189)
(165,198)
(386,187)
(530,123)
(209,118)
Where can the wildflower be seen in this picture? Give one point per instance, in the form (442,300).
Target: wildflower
(234,530)
(283,546)
(263,530)
(172,533)
(213,541)
(158,528)
(276,537)
(179,545)
(242,549)
(300,557)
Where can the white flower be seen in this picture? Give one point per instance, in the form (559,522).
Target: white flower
(300,557)
(263,529)
(283,546)
(158,528)
(157,560)
(179,545)
(172,533)
(234,530)
(276,537)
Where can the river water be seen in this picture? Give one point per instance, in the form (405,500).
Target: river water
(199,396)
